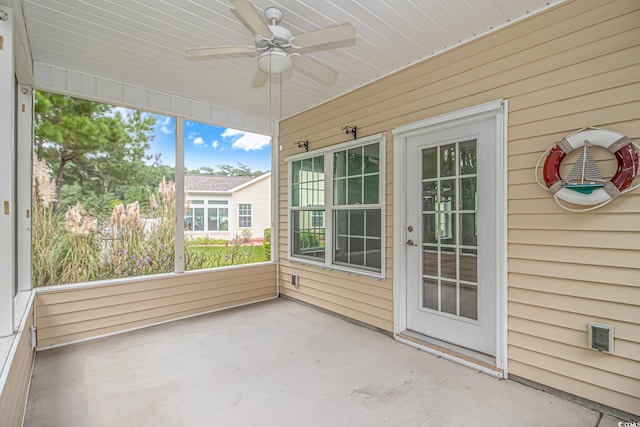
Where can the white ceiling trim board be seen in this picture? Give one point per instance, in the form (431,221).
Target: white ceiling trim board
(87,86)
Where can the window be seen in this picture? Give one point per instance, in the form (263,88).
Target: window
(244,215)
(352,238)
(217,215)
(217,218)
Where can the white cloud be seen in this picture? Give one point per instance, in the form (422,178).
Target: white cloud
(214,144)
(246,141)
(199,141)
(165,125)
(231,132)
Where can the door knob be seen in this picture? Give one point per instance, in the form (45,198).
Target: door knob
(410,243)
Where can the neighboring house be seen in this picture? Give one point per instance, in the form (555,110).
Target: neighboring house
(223,207)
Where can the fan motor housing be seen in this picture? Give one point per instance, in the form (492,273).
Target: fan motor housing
(281,36)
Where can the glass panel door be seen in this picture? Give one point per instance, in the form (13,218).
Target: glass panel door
(451,261)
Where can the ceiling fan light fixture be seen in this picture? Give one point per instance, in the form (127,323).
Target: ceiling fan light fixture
(274,61)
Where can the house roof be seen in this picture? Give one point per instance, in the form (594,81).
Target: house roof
(213,183)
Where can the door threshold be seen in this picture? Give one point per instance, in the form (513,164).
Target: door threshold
(463,356)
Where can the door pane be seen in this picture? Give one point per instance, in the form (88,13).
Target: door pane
(448,301)
(469,301)
(469,265)
(430,163)
(448,263)
(429,195)
(429,228)
(430,294)
(449,203)
(469,237)
(448,160)
(430,261)
(468,194)
(468,157)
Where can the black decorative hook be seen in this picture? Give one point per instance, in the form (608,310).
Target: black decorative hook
(302,144)
(350,130)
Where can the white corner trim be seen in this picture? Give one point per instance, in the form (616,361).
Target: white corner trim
(399,225)
(503,273)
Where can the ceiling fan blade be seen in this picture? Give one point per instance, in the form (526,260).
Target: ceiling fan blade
(327,35)
(249,16)
(259,78)
(220,51)
(315,69)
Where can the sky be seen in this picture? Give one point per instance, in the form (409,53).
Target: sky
(208,145)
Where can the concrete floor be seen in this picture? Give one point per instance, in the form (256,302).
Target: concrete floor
(275,364)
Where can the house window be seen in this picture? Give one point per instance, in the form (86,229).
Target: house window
(244,215)
(217,215)
(352,238)
(194,220)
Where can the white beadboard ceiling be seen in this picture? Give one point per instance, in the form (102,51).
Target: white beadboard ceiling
(143,42)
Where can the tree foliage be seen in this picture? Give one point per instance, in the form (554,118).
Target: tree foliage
(93,149)
(226,170)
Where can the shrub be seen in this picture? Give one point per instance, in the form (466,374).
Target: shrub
(266,242)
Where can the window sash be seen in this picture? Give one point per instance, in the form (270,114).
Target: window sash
(244,215)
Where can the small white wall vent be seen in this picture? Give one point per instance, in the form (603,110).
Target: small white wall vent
(294,280)
(601,337)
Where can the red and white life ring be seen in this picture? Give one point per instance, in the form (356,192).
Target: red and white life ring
(621,146)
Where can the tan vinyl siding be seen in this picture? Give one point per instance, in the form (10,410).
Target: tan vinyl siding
(258,195)
(572,66)
(13,396)
(67,315)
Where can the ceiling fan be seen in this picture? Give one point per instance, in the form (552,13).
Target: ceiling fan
(276,47)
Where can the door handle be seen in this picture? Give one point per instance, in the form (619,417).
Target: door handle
(410,243)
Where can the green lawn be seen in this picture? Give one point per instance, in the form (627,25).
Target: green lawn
(217,256)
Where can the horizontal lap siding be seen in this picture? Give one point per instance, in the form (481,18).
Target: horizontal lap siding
(13,396)
(572,66)
(72,314)
(258,195)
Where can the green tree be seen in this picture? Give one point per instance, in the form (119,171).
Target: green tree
(88,144)
(225,170)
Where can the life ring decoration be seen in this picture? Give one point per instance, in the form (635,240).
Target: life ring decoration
(584,185)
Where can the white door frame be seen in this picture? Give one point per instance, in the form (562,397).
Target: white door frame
(497,109)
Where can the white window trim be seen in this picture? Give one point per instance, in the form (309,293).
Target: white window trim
(250,216)
(328,206)
(197,197)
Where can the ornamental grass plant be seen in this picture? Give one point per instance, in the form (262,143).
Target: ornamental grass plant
(78,247)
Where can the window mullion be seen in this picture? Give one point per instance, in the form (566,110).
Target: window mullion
(328,208)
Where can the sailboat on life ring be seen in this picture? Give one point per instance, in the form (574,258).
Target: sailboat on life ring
(585,175)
